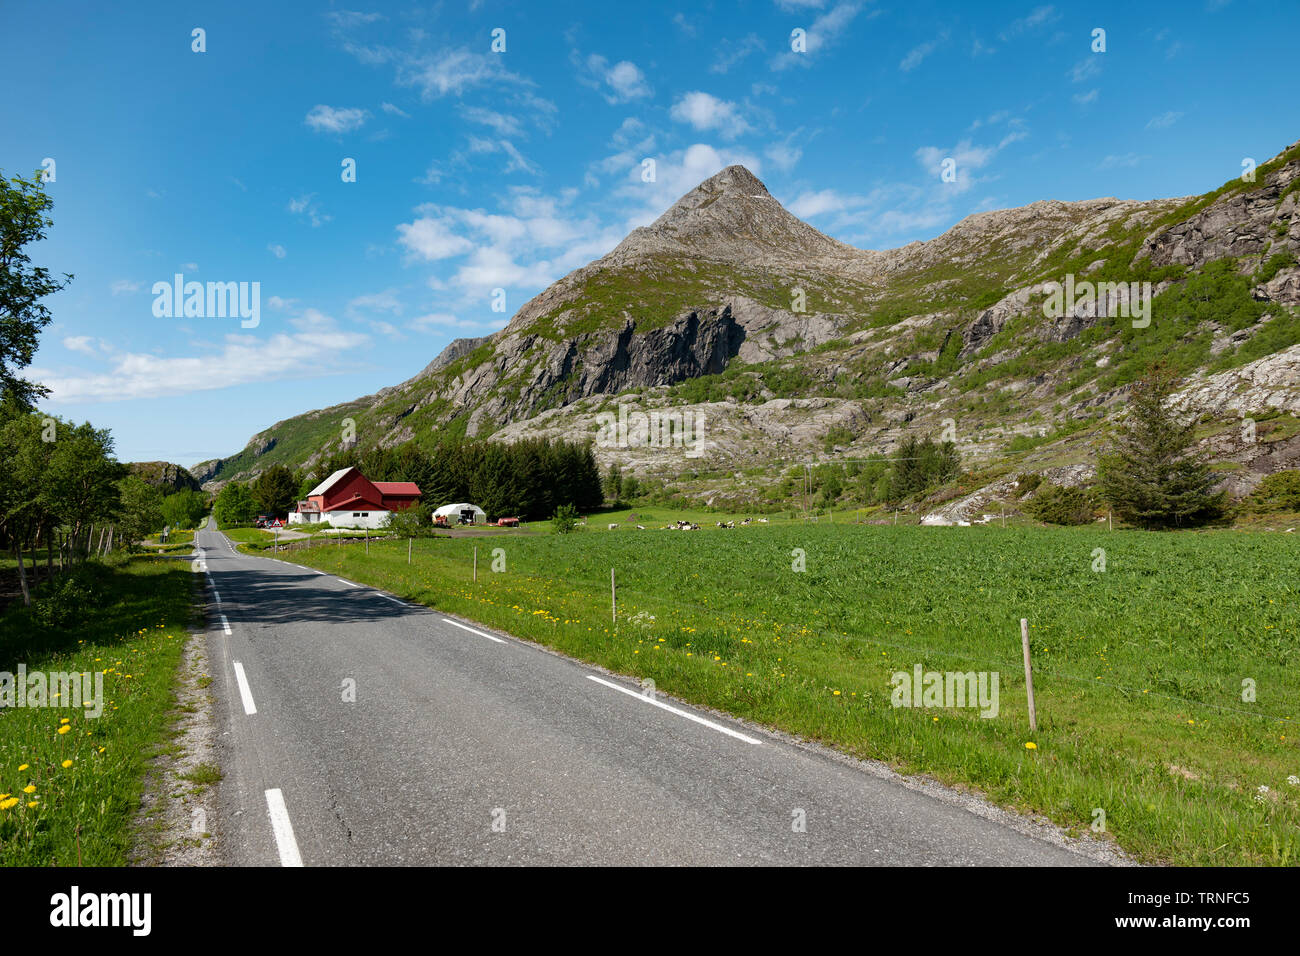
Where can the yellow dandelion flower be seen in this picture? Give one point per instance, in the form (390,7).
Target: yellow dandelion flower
(64,729)
(30,788)
(1031,746)
(67,764)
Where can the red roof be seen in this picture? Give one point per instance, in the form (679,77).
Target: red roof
(397,488)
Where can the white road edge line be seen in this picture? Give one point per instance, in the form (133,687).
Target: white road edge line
(393,599)
(216,594)
(465,627)
(282,828)
(348,583)
(245,692)
(680,713)
(225,625)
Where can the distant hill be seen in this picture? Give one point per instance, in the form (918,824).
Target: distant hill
(165,475)
(796,347)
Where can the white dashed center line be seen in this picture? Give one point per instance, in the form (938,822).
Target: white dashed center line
(282,828)
(245,692)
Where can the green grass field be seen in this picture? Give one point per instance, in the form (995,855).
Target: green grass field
(1139,668)
(69,796)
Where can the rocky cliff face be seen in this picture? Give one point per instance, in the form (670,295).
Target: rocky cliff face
(164,475)
(729,305)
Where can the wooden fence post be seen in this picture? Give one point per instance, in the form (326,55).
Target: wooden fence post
(1029,674)
(408,550)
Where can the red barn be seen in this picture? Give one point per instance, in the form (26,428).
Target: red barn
(348,499)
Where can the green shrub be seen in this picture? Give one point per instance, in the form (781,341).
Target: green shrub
(565,519)
(65,601)
(1055,504)
(1028,483)
(1280,491)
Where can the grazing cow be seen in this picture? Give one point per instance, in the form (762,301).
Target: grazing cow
(613,526)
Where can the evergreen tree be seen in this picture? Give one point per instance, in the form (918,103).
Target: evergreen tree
(1153,475)
(274,490)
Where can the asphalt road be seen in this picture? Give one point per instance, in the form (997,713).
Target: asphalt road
(466,746)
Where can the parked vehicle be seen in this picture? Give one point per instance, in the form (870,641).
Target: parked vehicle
(507,522)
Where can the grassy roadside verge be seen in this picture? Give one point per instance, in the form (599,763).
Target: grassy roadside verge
(1139,669)
(70,795)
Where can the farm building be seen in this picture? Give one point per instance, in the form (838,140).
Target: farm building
(348,499)
(460,514)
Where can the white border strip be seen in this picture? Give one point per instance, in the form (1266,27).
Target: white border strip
(680,713)
(225,625)
(282,828)
(245,692)
(465,627)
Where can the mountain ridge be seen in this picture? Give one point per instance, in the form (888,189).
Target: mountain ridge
(705,300)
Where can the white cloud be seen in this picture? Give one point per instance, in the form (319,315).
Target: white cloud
(1085,69)
(732,52)
(307,207)
(125,286)
(329,119)
(1083,99)
(351,19)
(452,72)
(432,239)
(317,347)
(386,301)
(704,111)
(515,160)
(783,155)
(826,32)
(918,53)
(1041,16)
(1164,120)
(966,158)
(504,125)
(394,110)
(809,204)
(277,250)
(619,82)
(441,321)
(80,343)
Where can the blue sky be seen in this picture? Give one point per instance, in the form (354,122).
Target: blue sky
(479,170)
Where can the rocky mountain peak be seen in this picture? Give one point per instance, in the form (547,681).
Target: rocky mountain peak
(731,217)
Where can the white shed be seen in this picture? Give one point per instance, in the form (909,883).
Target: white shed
(463,513)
